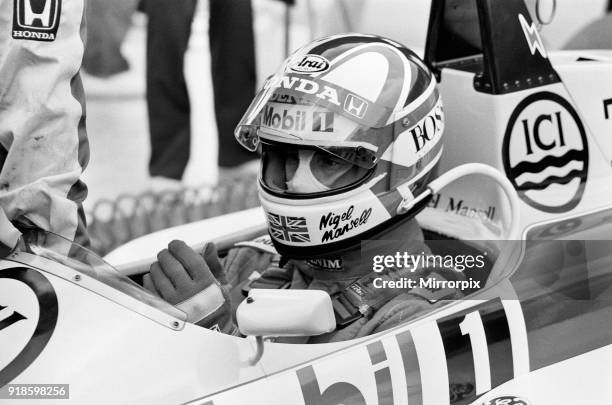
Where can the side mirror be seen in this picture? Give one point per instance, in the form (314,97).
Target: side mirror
(286,313)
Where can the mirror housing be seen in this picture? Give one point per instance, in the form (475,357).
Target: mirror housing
(286,313)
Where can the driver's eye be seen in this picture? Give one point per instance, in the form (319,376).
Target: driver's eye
(328,161)
(331,162)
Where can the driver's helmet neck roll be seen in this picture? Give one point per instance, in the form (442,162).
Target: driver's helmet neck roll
(349,127)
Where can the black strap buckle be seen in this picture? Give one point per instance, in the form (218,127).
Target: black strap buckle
(345,312)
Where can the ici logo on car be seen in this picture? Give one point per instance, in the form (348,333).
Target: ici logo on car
(545,153)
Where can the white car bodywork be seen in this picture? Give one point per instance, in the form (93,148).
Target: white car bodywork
(115,344)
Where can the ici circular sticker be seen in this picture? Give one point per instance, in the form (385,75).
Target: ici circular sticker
(545,153)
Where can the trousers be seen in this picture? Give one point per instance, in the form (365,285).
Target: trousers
(233,76)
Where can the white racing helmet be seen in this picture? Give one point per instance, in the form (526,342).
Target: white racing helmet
(349,128)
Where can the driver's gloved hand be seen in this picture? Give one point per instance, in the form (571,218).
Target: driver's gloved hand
(194,283)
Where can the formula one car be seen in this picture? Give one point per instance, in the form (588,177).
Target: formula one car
(538,332)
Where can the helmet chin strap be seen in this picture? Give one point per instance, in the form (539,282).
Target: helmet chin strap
(303,181)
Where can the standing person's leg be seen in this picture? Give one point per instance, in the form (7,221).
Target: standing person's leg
(168,31)
(232,50)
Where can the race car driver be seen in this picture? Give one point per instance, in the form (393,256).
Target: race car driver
(350,129)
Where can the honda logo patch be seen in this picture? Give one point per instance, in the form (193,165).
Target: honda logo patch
(36,20)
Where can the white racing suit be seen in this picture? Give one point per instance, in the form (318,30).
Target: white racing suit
(43,143)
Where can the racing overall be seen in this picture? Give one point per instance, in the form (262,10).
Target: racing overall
(360,308)
(43,143)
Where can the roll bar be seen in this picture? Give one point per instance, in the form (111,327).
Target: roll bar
(495,39)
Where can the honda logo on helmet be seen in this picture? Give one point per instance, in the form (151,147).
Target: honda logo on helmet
(36,20)
(355,105)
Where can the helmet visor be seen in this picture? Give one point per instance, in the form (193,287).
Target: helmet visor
(311,112)
(304,170)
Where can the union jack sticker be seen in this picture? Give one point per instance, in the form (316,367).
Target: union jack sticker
(290,229)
